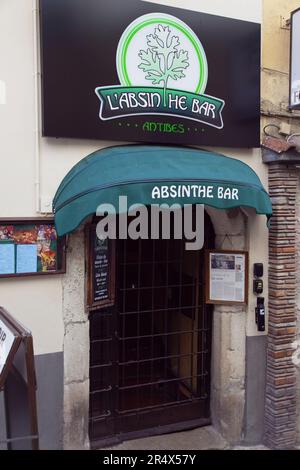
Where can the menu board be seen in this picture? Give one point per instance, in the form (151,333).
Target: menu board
(29,248)
(101,270)
(227,277)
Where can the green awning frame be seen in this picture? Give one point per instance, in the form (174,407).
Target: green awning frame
(134,170)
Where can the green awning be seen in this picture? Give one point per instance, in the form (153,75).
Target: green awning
(155,175)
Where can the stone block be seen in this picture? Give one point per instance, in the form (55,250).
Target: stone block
(76,347)
(76,416)
(73,281)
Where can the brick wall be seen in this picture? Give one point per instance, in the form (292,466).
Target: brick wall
(280,410)
(296,355)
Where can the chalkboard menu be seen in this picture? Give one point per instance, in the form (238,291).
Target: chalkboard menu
(101,268)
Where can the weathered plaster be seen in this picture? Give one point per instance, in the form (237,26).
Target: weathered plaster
(228,339)
(76,347)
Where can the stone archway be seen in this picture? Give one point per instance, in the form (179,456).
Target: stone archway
(229,337)
(228,348)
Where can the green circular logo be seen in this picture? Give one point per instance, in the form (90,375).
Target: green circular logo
(161,50)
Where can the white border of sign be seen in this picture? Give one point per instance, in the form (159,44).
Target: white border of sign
(246,10)
(7,339)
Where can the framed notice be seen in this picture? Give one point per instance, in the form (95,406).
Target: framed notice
(226,277)
(100,262)
(30,247)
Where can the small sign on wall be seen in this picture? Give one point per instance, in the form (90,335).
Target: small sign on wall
(295,61)
(2,92)
(226,277)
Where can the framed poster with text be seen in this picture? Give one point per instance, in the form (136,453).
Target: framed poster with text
(30,247)
(226,277)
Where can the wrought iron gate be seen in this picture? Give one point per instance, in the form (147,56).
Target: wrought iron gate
(150,354)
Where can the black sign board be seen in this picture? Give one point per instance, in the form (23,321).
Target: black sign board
(18,382)
(101,268)
(136,71)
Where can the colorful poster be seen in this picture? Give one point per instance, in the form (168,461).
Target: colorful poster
(26,259)
(30,248)
(25,234)
(47,248)
(7,258)
(6,232)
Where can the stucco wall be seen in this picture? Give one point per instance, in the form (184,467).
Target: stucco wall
(31,170)
(18,162)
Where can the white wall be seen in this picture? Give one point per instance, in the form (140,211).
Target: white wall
(38,302)
(250,10)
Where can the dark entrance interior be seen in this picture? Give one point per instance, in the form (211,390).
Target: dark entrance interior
(150,354)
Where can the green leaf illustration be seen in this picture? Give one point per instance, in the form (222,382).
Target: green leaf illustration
(151,65)
(162,60)
(161,43)
(180,62)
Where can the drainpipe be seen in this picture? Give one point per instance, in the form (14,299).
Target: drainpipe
(36,73)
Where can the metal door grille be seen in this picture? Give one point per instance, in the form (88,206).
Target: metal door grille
(150,355)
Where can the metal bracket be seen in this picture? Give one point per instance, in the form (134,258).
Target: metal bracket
(285,23)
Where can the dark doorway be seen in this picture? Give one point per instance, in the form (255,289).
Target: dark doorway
(150,354)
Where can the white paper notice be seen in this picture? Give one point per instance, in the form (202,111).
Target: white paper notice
(2,92)
(227,277)
(6,343)
(26,258)
(7,258)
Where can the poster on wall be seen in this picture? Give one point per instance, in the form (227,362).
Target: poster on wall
(30,248)
(149,73)
(227,277)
